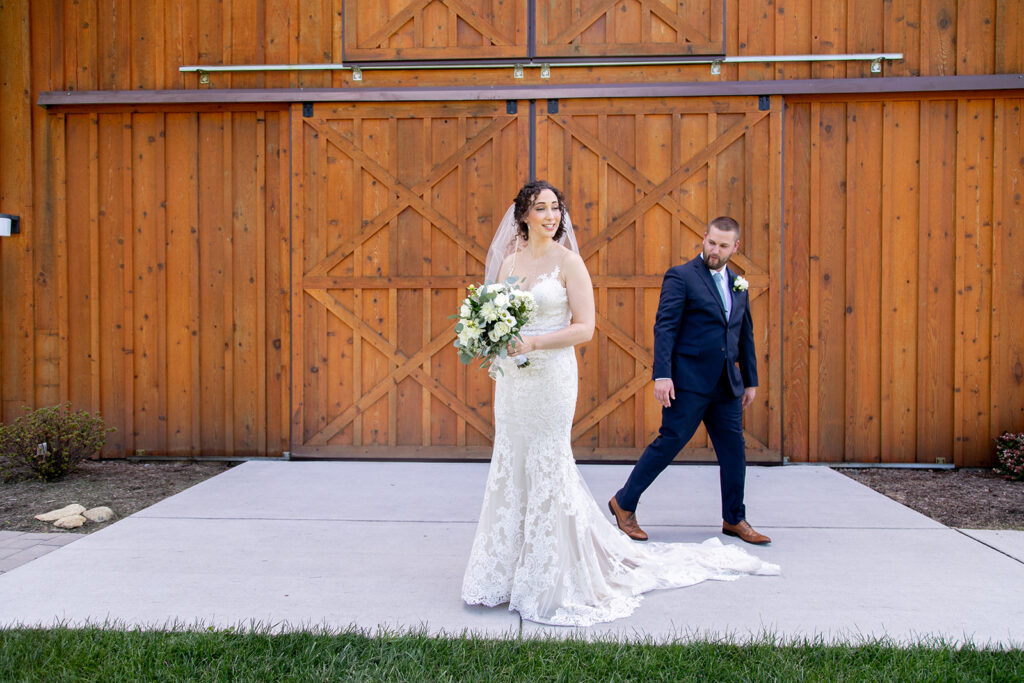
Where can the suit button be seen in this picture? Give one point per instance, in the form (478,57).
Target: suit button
(722,349)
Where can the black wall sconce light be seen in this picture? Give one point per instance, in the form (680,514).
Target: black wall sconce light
(9,225)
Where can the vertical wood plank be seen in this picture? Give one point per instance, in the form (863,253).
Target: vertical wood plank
(792,37)
(113,354)
(56,129)
(974,253)
(84,26)
(246,285)
(75,259)
(796,406)
(183,384)
(865,22)
(213,155)
(115,66)
(148,253)
(258,440)
(146,32)
(902,33)
(863,245)
(279,268)
(937,259)
(181,33)
(225,282)
(46,31)
(775,264)
(938,37)
(93,161)
(1007,391)
(976,37)
(127,315)
(1009,26)
(16,347)
(297,148)
(279,40)
(834,232)
(821,282)
(210,41)
(829,28)
(901,161)
(756,22)
(247,41)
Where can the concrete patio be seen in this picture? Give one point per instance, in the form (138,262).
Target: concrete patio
(374,544)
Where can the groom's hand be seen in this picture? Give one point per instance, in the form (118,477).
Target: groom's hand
(664,392)
(748,397)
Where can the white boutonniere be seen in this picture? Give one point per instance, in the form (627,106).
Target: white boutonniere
(740,284)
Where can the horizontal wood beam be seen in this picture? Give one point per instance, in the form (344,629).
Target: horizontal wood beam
(263,96)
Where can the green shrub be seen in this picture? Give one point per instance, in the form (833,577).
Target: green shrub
(1010,453)
(48,443)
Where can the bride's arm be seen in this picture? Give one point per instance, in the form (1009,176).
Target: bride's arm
(581,303)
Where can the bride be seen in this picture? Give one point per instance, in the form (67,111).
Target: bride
(542,544)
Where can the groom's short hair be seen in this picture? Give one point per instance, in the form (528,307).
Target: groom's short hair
(726,223)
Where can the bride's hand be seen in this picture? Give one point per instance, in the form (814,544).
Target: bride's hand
(518,347)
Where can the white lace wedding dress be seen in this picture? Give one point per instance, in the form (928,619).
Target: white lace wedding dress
(542,544)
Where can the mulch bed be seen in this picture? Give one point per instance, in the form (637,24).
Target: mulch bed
(965,498)
(125,487)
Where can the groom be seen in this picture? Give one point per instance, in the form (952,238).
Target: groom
(701,332)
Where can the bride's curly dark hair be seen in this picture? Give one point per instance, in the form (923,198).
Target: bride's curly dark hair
(525,199)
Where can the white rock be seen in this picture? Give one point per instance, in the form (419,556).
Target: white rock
(54,515)
(98,515)
(70,522)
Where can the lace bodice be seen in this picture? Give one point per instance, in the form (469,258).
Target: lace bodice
(552,305)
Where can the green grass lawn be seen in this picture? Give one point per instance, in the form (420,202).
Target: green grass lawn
(264,654)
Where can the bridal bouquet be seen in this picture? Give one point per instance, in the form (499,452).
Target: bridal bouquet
(491,316)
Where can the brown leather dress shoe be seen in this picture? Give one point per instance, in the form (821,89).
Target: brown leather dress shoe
(626,521)
(744,532)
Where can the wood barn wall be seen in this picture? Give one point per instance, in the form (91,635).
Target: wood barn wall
(203,274)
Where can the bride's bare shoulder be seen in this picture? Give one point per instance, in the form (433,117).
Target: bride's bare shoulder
(571,260)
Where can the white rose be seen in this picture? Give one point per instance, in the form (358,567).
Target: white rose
(501,301)
(489,311)
(494,335)
(465,311)
(502,328)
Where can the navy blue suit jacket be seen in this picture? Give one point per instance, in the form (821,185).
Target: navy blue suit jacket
(692,338)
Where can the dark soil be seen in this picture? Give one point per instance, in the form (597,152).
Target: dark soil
(969,499)
(125,487)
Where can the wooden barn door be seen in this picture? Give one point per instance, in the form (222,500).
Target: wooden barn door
(393,210)
(394,206)
(642,179)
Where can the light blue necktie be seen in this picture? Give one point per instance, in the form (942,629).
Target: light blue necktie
(722,295)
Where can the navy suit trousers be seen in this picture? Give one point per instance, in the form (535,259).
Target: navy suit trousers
(722,414)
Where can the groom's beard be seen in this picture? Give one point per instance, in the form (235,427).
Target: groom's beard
(715,262)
